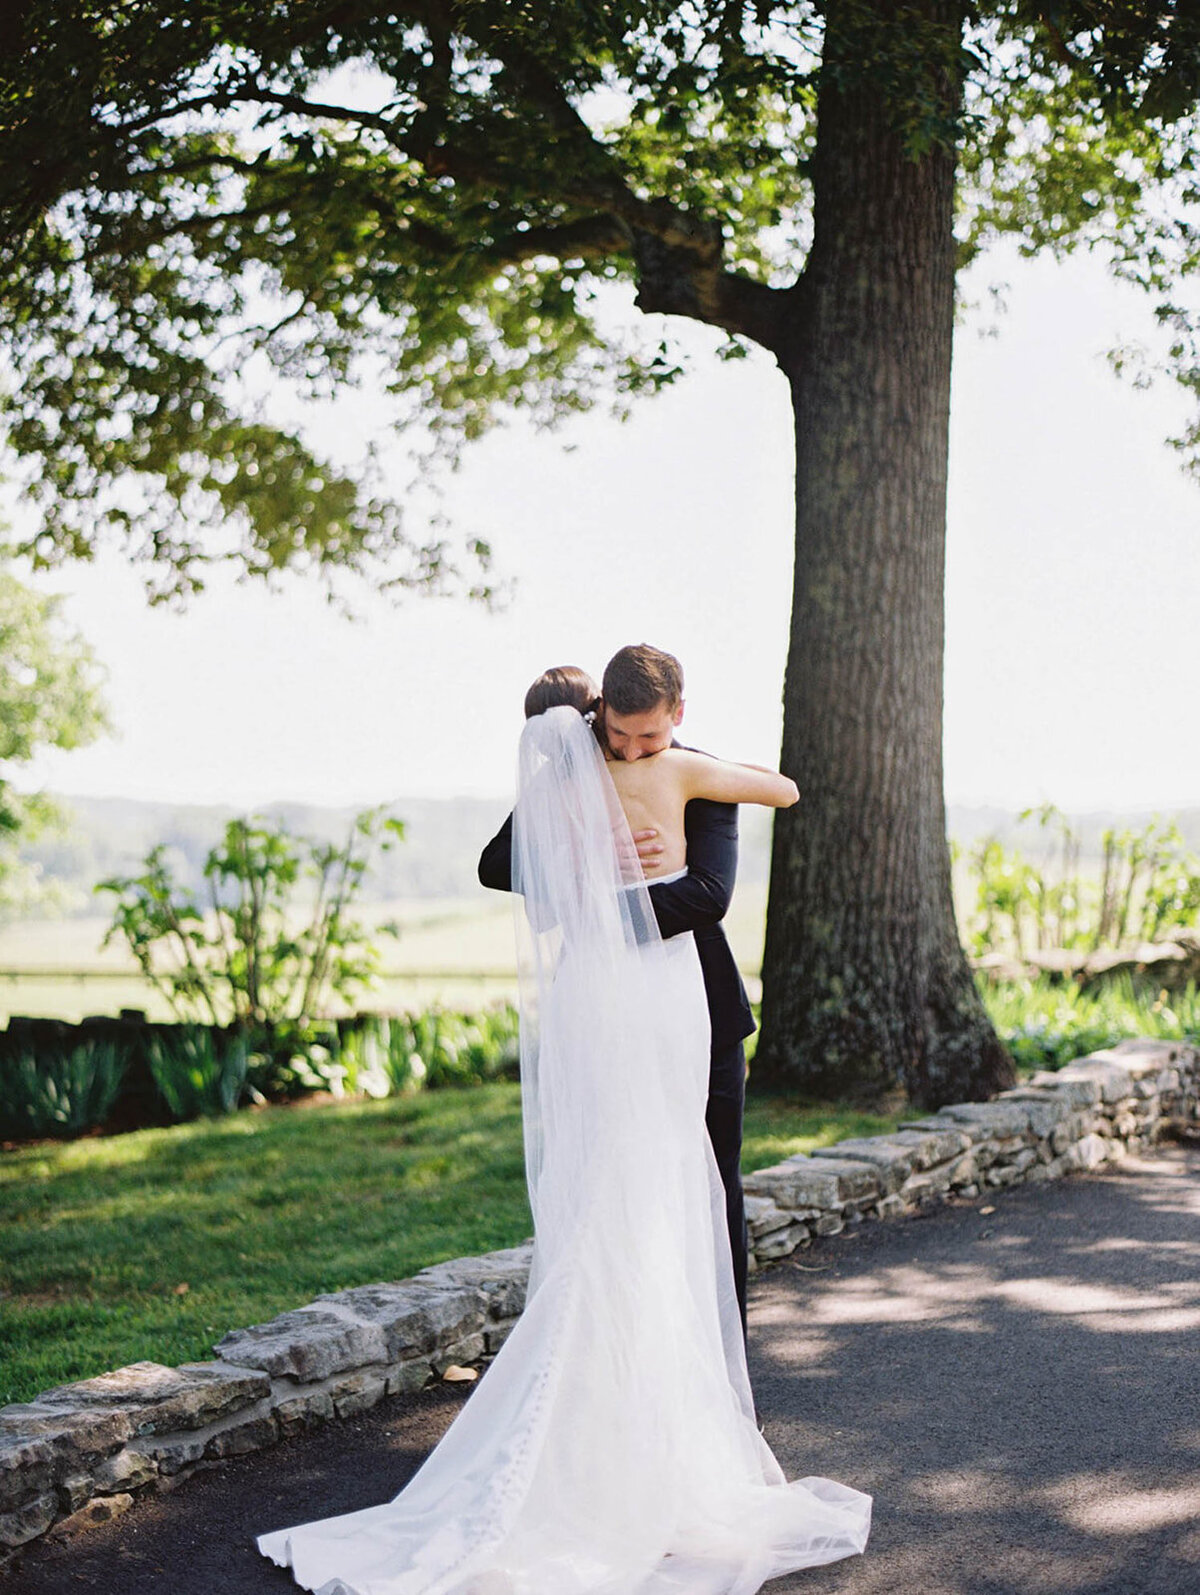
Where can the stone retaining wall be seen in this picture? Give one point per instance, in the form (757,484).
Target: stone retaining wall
(78,1454)
(1094,1111)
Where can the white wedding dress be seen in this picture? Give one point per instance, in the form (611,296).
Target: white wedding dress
(611,1448)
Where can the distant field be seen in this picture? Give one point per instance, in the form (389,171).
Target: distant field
(457,951)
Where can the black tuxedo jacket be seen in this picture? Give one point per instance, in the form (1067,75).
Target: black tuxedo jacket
(697,902)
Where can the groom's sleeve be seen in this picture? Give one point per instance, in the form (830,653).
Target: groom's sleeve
(702,896)
(495,862)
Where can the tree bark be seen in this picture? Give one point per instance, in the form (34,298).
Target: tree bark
(865,985)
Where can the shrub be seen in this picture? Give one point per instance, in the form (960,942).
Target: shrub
(1148,890)
(277,938)
(60,1092)
(362,1057)
(198,1071)
(1045,1023)
(442,1047)
(49,1086)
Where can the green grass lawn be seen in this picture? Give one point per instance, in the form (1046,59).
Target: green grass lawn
(261,1211)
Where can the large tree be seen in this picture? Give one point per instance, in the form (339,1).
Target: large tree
(437,191)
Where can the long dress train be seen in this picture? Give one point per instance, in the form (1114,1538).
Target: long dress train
(611,1448)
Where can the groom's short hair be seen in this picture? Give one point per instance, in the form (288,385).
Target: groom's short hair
(639,678)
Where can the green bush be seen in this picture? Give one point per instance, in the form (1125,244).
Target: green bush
(287,1060)
(274,939)
(62,1092)
(1047,1023)
(364,1057)
(1148,890)
(50,1087)
(442,1047)
(199,1072)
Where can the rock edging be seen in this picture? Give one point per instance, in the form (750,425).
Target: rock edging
(78,1454)
(1094,1111)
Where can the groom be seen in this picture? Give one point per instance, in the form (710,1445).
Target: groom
(642,705)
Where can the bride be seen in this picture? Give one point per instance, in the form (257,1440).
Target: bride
(611,1448)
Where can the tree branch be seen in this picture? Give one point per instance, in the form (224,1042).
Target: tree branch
(219,100)
(675,281)
(547,92)
(201,221)
(678,254)
(1062,51)
(591,238)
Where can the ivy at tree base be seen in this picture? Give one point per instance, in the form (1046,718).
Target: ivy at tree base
(845,1038)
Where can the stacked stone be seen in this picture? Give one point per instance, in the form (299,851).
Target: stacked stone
(78,1454)
(1096,1110)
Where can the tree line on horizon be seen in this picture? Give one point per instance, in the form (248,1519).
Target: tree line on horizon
(102,837)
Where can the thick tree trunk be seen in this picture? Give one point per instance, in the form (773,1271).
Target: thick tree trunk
(865,986)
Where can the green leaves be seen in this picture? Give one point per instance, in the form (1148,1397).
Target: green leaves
(197,1070)
(1147,889)
(196,202)
(277,937)
(49,679)
(1050,1022)
(1084,131)
(201,203)
(60,1092)
(49,698)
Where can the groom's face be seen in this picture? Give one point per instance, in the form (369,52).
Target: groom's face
(637,736)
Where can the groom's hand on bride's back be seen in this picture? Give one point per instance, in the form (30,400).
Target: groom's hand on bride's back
(698,900)
(648,846)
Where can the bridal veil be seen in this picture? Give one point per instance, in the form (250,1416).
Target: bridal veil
(611,1448)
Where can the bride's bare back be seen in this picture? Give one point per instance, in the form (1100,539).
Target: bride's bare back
(654,790)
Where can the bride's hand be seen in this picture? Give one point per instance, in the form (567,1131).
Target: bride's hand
(648,847)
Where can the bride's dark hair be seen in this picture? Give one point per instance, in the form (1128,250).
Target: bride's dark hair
(564,684)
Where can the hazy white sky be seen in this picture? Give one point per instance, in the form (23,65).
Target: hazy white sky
(1074,574)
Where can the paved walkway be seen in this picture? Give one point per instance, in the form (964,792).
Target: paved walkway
(1018,1388)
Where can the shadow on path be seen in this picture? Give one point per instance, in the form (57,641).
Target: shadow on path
(1017,1389)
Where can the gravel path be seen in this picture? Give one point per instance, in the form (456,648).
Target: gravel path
(1018,1388)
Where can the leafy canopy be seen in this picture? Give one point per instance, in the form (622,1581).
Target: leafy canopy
(198,200)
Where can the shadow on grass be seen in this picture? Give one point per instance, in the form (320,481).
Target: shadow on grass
(152,1245)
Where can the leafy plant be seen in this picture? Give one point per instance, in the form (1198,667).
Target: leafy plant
(277,938)
(49,698)
(1045,1024)
(1005,894)
(442,1047)
(1058,903)
(1150,886)
(1172,898)
(60,1093)
(1149,889)
(364,1057)
(197,1070)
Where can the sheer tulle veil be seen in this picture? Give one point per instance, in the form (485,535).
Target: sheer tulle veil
(611,1449)
(589,958)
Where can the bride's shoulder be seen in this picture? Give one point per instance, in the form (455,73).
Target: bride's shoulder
(684,760)
(682,767)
